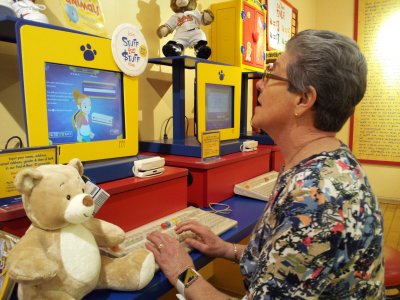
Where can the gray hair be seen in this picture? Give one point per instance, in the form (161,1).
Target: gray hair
(334,65)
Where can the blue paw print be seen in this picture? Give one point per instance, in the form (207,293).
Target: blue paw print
(221,75)
(88,53)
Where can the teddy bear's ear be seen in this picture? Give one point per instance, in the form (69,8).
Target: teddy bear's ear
(26,179)
(192,5)
(76,163)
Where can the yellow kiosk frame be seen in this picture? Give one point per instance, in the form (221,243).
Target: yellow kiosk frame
(40,45)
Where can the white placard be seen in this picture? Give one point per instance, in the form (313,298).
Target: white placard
(279,24)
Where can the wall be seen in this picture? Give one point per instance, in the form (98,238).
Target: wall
(155,93)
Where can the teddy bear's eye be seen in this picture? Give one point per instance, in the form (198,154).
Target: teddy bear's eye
(68,197)
(83,190)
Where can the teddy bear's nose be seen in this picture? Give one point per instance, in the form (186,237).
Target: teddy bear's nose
(87,201)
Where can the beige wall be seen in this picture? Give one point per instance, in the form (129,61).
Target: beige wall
(155,104)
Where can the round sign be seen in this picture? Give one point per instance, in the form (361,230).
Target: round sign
(129,49)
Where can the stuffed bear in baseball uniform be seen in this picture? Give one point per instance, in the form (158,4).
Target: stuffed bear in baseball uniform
(186,22)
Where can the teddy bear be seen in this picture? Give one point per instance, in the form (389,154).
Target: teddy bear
(59,255)
(186,22)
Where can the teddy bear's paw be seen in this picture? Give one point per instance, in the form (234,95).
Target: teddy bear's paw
(208,17)
(163,31)
(128,273)
(143,266)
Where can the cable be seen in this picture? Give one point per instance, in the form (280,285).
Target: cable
(224,209)
(21,144)
(166,125)
(187,125)
(165,128)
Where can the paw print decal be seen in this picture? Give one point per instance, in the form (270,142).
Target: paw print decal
(221,75)
(88,53)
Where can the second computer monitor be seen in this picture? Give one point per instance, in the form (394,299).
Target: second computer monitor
(218,98)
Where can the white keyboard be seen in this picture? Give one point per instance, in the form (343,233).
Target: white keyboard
(259,187)
(136,238)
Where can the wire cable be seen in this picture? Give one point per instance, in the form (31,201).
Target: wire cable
(21,144)
(220,208)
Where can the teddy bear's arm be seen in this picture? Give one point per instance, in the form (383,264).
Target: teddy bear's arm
(207,17)
(105,233)
(163,31)
(28,262)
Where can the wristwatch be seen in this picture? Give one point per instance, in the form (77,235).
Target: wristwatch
(185,279)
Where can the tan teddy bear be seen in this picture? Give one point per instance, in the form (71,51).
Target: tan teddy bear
(59,257)
(186,22)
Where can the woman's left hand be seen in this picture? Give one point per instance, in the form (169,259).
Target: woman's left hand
(169,255)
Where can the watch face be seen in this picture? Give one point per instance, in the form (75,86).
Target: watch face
(188,276)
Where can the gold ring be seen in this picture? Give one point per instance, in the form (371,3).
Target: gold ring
(160,246)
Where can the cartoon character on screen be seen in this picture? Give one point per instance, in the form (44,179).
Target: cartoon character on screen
(186,22)
(81,120)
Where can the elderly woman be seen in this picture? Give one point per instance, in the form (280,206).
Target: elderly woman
(321,234)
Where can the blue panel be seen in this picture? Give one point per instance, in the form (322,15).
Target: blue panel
(187,147)
(110,169)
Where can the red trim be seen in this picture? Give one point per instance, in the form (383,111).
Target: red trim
(355,19)
(355,36)
(351,133)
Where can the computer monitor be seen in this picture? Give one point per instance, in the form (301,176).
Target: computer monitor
(218,100)
(75,96)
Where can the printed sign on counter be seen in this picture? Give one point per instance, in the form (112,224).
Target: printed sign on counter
(12,161)
(210,145)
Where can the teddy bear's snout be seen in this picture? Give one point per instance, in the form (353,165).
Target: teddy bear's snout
(87,201)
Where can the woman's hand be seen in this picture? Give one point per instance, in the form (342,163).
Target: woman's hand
(169,255)
(207,242)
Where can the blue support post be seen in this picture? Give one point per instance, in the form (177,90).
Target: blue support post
(178,98)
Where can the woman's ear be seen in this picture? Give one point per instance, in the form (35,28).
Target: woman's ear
(306,100)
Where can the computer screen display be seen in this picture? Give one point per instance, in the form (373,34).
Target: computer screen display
(219,106)
(83,104)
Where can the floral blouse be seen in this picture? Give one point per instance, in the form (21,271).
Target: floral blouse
(321,235)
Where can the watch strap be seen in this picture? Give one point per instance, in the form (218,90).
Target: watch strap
(185,279)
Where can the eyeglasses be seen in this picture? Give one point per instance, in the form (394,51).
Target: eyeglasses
(268,75)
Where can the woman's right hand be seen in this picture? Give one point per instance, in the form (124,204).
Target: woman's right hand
(207,242)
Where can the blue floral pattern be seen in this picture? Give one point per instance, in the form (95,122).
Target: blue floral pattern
(321,235)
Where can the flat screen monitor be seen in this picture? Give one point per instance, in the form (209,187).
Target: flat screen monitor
(83,105)
(218,100)
(219,106)
(75,96)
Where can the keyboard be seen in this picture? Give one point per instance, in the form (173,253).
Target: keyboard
(136,238)
(259,187)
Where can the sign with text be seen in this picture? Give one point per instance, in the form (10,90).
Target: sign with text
(281,24)
(210,146)
(84,15)
(12,161)
(375,126)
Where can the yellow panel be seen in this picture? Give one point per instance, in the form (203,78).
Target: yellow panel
(227,33)
(41,45)
(210,74)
